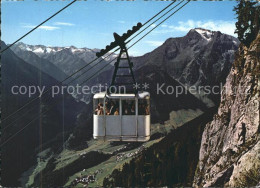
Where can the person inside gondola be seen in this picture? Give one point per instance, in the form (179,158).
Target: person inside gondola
(99,110)
(116,112)
(112,108)
(107,105)
(126,110)
(107,111)
(133,110)
(146,110)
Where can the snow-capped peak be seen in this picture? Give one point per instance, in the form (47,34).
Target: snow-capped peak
(205,33)
(40,49)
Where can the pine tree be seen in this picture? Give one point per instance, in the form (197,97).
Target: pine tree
(248,18)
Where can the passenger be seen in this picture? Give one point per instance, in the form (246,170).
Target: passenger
(107,105)
(112,108)
(146,110)
(101,109)
(141,109)
(116,112)
(107,111)
(133,110)
(126,111)
(97,109)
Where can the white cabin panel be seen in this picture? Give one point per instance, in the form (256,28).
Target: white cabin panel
(99,122)
(144,125)
(113,125)
(129,125)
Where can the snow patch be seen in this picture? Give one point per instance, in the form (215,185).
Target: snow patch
(48,50)
(28,49)
(206,34)
(38,50)
(73,50)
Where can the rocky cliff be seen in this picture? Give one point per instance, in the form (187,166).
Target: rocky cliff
(230,147)
(202,57)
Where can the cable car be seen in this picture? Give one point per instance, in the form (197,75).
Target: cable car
(122,116)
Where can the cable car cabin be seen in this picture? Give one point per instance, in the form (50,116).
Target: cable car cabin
(122,117)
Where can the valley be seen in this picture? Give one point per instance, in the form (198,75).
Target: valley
(77,159)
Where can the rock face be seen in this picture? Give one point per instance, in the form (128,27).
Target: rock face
(230,147)
(40,63)
(202,57)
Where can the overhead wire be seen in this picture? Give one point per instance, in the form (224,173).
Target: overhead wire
(23,115)
(92,75)
(139,32)
(153,22)
(61,82)
(159,13)
(34,99)
(38,26)
(160,23)
(136,35)
(142,37)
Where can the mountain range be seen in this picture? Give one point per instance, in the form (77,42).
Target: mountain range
(200,58)
(25,132)
(68,59)
(220,148)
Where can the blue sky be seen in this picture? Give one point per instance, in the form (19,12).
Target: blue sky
(91,23)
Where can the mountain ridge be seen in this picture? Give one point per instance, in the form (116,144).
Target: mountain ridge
(169,111)
(35,126)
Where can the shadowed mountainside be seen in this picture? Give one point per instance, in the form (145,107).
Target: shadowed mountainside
(25,133)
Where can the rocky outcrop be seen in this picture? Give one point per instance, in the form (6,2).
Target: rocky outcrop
(200,58)
(230,146)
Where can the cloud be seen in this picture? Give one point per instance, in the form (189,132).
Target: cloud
(153,25)
(154,43)
(44,27)
(227,27)
(64,23)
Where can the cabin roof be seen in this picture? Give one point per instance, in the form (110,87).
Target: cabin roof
(140,95)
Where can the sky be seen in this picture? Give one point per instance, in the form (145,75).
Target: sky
(91,23)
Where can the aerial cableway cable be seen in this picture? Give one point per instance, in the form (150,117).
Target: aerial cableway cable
(159,24)
(153,22)
(133,37)
(62,82)
(102,60)
(24,114)
(5,127)
(159,13)
(101,68)
(90,77)
(144,35)
(38,26)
